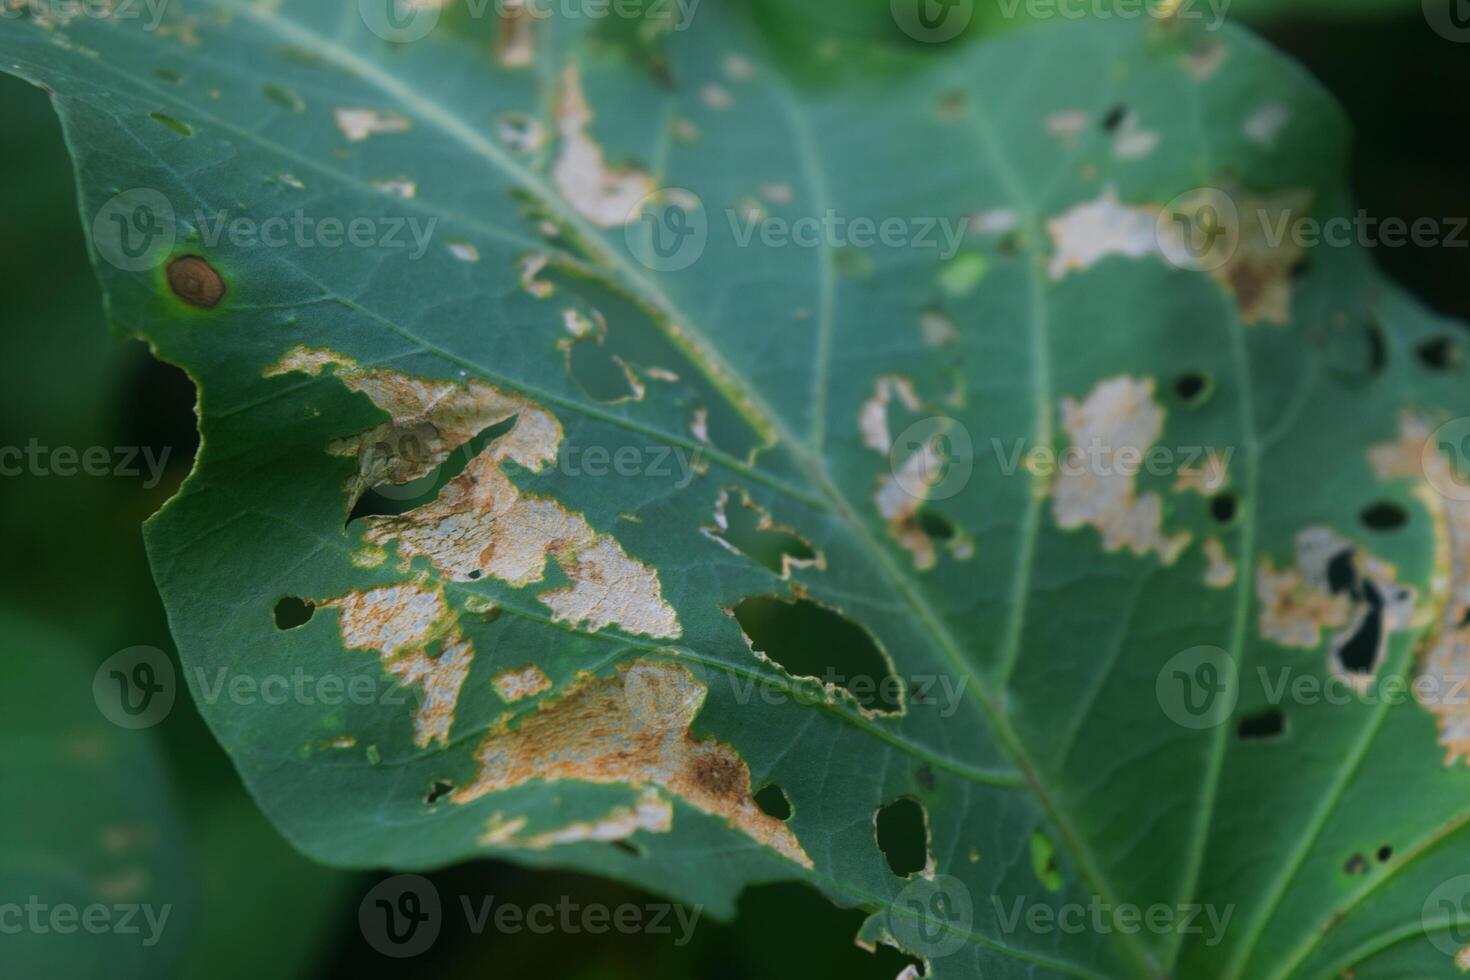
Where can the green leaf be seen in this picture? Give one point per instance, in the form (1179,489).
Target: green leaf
(402,446)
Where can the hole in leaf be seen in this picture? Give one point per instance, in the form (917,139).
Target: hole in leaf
(628,847)
(748,528)
(1385,516)
(773,801)
(1194,387)
(601,374)
(1438,353)
(1384,853)
(1267,724)
(1114,117)
(292,612)
(439,789)
(1359,654)
(935,524)
(902,836)
(1342,573)
(410,444)
(1043,862)
(1224,507)
(809,640)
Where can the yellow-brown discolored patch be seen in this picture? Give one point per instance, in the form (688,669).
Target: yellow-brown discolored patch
(196,282)
(631,728)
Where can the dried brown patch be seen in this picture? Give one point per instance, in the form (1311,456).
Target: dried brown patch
(1119,420)
(632,728)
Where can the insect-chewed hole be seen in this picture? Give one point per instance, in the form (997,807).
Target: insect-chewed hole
(1194,388)
(1385,852)
(1270,723)
(1224,507)
(809,640)
(935,524)
(438,789)
(1438,353)
(292,611)
(600,374)
(774,802)
(769,546)
(1385,515)
(403,449)
(1114,117)
(902,836)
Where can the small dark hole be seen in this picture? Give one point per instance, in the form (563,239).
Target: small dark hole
(1268,724)
(1192,387)
(292,612)
(1223,508)
(1356,865)
(1437,353)
(1114,117)
(1384,516)
(903,837)
(627,848)
(936,525)
(1342,573)
(476,573)
(1385,852)
(438,790)
(773,802)
(1359,655)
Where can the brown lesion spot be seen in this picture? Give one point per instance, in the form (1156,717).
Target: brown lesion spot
(196,282)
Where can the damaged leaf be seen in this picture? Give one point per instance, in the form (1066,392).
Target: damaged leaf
(543,491)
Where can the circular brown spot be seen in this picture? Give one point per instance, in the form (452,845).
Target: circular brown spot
(194,281)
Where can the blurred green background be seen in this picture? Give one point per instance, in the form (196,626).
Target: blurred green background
(77,587)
